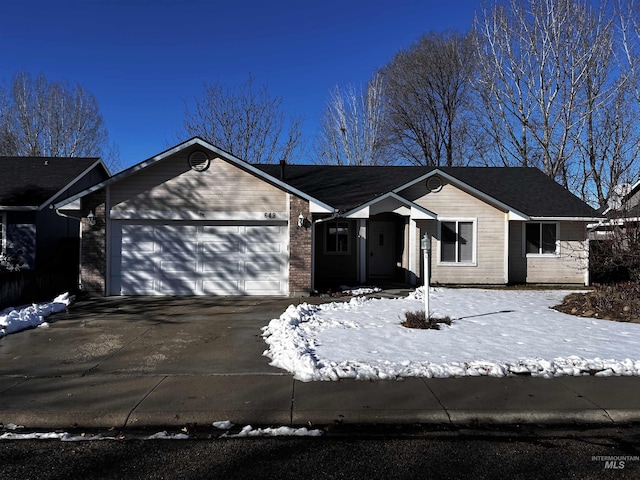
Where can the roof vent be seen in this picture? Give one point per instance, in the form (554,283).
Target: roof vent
(434,184)
(199,161)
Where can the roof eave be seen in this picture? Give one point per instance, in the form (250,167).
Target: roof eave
(566,219)
(416,210)
(198,141)
(513,212)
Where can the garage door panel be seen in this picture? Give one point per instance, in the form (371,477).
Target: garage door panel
(262,287)
(220,247)
(179,246)
(171,266)
(139,264)
(262,269)
(129,286)
(176,286)
(264,247)
(222,267)
(196,259)
(130,246)
(217,287)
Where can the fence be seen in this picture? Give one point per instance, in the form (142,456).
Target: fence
(29,286)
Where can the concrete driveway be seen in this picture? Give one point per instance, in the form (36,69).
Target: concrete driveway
(147,335)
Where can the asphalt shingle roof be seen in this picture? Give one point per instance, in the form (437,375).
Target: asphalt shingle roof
(31,181)
(526,190)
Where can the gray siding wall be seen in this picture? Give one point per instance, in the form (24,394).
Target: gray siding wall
(452,203)
(171,185)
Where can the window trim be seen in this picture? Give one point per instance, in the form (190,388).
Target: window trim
(474,249)
(557,251)
(335,223)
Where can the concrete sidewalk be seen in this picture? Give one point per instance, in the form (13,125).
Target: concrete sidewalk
(168,363)
(124,401)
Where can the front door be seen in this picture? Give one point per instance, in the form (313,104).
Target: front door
(382,249)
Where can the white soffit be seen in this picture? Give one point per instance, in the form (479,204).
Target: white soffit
(393,203)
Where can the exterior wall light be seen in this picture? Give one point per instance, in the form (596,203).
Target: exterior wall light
(91,218)
(303,222)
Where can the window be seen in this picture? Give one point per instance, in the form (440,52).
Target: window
(337,238)
(457,241)
(541,238)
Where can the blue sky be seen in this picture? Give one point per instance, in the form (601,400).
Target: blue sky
(143,59)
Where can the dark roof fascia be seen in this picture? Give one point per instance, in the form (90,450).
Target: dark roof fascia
(203,143)
(566,219)
(487,198)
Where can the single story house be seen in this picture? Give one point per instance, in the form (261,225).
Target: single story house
(29,227)
(196,220)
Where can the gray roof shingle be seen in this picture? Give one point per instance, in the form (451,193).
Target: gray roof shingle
(31,181)
(526,190)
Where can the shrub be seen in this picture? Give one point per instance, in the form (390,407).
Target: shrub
(419,320)
(11,264)
(619,301)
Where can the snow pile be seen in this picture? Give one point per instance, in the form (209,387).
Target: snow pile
(63,436)
(249,431)
(13,320)
(166,436)
(223,425)
(358,291)
(493,332)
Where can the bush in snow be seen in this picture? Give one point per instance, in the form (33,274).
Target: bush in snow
(420,320)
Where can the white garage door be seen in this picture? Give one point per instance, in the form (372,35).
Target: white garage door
(197,259)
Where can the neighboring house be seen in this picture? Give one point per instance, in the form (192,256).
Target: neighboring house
(197,220)
(614,240)
(29,227)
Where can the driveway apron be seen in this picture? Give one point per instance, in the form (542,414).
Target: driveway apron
(148,335)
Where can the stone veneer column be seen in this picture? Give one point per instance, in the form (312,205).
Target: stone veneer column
(299,248)
(93,263)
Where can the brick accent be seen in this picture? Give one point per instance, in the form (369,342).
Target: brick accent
(299,248)
(93,264)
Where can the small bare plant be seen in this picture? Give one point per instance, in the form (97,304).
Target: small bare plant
(419,320)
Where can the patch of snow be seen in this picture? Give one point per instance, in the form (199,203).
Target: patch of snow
(358,291)
(13,320)
(223,425)
(166,436)
(249,431)
(64,436)
(13,426)
(493,333)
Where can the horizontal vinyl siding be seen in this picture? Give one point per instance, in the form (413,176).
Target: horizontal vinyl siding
(569,266)
(453,203)
(171,185)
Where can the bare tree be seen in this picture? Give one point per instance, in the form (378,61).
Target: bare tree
(352,126)
(39,117)
(553,94)
(428,100)
(245,121)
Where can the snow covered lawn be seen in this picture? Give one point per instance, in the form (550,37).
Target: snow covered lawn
(13,320)
(493,332)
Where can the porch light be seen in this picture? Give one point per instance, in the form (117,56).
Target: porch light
(302,221)
(91,218)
